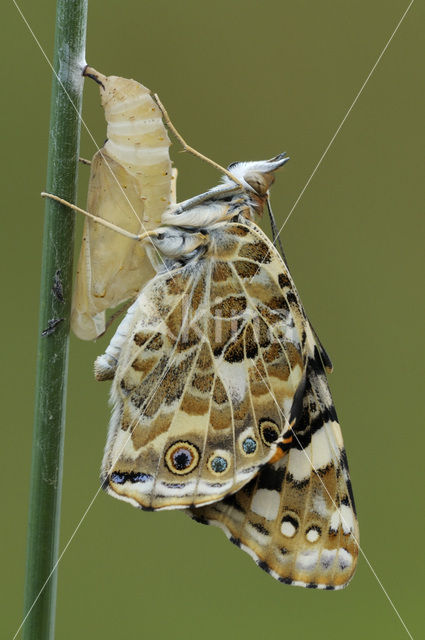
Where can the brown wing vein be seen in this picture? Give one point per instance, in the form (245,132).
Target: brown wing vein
(188,378)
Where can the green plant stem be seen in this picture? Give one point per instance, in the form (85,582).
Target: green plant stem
(55,300)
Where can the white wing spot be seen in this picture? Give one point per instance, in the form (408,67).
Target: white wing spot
(312,535)
(328,557)
(344,516)
(307,560)
(233,377)
(299,463)
(288,529)
(347,519)
(344,558)
(319,505)
(335,521)
(266,504)
(321,451)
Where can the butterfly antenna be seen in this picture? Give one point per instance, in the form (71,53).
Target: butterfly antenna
(191,150)
(275,233)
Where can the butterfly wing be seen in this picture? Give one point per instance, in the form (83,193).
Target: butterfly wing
(131,184)
(193,416)
(297,517)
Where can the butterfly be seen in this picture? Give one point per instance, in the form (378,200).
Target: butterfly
(221,405)
(131,184)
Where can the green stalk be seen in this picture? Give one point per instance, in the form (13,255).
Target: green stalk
(55,302)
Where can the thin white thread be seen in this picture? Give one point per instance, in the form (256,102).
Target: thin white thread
(345,118)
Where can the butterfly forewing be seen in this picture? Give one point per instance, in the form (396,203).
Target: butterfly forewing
(194,417)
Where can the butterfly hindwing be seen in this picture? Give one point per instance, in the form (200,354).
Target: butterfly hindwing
(207,375)
(296,518)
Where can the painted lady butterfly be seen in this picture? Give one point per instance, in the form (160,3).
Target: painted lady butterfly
(221,403)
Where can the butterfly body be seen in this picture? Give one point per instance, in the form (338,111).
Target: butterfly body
(221,404)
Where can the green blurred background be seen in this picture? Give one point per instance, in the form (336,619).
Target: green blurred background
(241,80)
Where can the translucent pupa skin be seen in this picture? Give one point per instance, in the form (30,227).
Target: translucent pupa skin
(131,184)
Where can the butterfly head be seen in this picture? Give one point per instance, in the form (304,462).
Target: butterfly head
(257,176)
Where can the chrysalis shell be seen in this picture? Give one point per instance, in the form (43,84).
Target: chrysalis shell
(131,184)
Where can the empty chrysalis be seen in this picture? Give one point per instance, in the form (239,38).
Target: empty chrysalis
(131,184)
